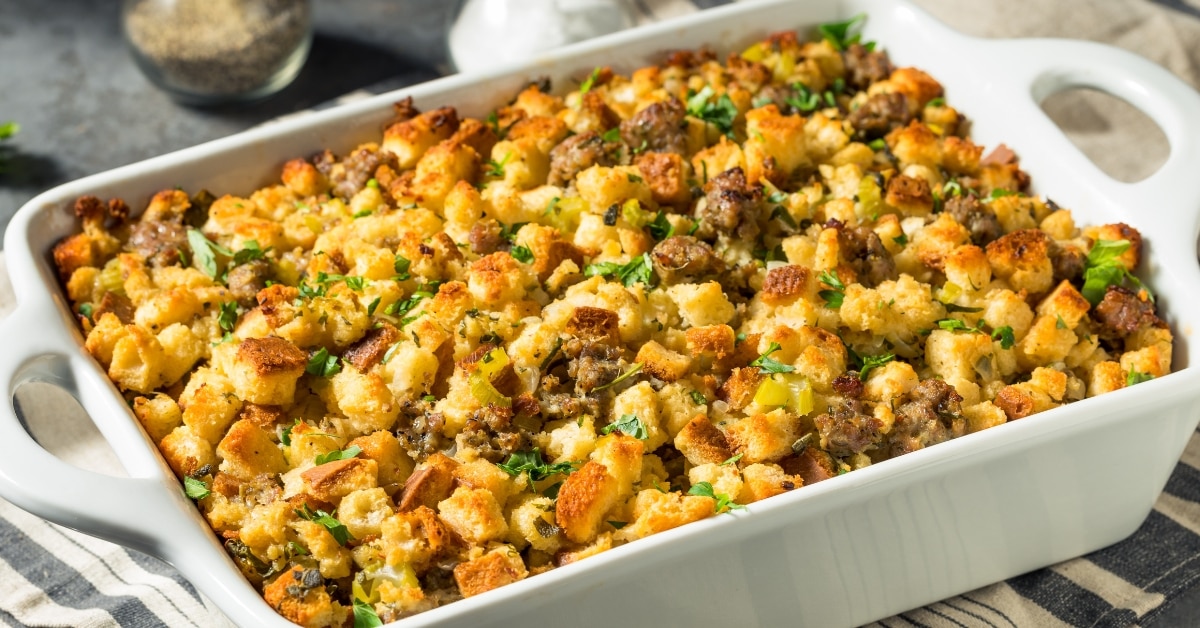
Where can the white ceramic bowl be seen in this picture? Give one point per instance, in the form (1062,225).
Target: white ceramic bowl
(861,546)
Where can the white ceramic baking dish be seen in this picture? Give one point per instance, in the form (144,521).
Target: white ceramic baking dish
(861,546)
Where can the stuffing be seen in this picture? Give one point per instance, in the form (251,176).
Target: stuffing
(471,350)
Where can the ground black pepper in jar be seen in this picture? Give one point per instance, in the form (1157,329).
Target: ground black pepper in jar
(218,51)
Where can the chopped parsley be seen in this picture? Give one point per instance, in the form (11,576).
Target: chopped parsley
(612,135)
(805,100)
(999,193)
(204,252)
(1005,336)
(870,362)
(87,309)
(901,239)
(837,292)
(618,524)
(322,364)
(628,424)
(362,213)
(285,435)
(877,145)
(698,398)
(936,102)
(724,502)
(341,454)
(637,270)
(229,315)
(335,527)
(509,233)
(521,254)
(531,462)
(1134,378)
(720,114)
(783,215)
(731,461)
(365,616)
(660,228)
(249,252)
(1060,323)
(1103,269)
(840,35)
(496,168)
(373,306)
(769,365)
(950,307)
(197,489)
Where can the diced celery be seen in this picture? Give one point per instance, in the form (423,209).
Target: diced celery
(771,393)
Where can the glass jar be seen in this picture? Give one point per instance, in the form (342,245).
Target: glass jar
(208,52)
(486,33)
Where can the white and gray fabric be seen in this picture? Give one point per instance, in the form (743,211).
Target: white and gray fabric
(50,576)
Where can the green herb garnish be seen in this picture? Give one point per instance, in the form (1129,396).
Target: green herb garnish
(1005,336)
(322,364)
(335,527)
(633,370)
(629,424)
(531,462)
(341,454)
(1134,378)
(837,292)
(724,502)
(1104,269)
(590,81)
(838,34)
(770,365)
(637,270)
(870,362)
(496,168)
(521,254)
(195,488)
(720,114)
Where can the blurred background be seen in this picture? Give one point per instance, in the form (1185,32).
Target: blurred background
(84,107)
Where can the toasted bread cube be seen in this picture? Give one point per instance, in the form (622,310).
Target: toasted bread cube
(724,478)
(303,178)
(364,399)
(265,370)
(332,559)
(1022,258)
(138,361)
(248,451)
(414,538)
(392,461)
(911,196)
(702,443)
(775,139)
(983,415)
(501,566)
(1106,376)
(363,511)
(332,481)
(498,278)
(601,186)
(432,482)
(716,340)
(586,495)
(763,437)
(760,481)
(1064,302)
(967,267)
(959,155)
(209,404)
(738,391)
(531,523)
(409,140)
(890,381)
(186,452)
(785,284)
(1048,341)
(655,511)
(666,174)
(473,514)
(571,439)
(702,304)
(482,474)
(621,456)
(313,609)
(953,354)
(159,415)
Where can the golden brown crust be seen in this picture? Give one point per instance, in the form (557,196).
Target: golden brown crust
(785,283)
(272,356)
(702,443)
(595,323)
(490,571)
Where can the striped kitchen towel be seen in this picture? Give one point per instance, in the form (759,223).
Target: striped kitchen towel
(52,576)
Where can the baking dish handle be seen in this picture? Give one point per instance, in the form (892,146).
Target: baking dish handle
(133,511)
(1042,67)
